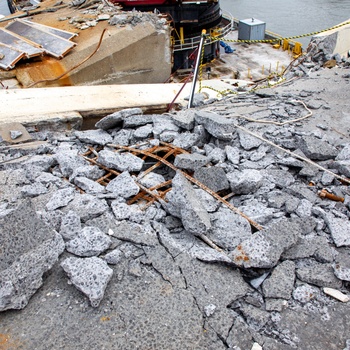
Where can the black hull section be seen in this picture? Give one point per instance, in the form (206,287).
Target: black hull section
(192,17)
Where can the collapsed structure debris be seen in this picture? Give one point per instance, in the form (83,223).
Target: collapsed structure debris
(197,229)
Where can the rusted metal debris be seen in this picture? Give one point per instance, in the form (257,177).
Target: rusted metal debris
(161,154)
(325,194)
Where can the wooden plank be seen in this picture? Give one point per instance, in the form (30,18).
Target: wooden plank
(9,56)
(53,44)
(59,32)
(10,39)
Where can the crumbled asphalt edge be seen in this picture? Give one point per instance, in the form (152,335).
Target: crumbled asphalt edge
(309,252)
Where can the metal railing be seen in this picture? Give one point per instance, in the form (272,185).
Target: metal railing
(215,34)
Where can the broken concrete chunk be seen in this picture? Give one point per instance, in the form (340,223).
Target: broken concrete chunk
(61,198)
(70,225)
(186,140)
(89,241)
(192,213)
(246,181)
(135,233)
(123,186)
(87,206)
(321,275)
(120,161)
(281,282)
(228,229)
(151,179)
(34,190)
(92,172)
(69,161)
(136,120)
(210,203)
(114,257)
(184,119)
(233,154)
(221,127)
(338,227)
(341,266)
(95,137)
(213,177)
(344,153)
(264,248)
(248,141)
(25,276)
(29,248)
(123,211)
(305,293)
(190,161)
(216,155)
(316,149)
(42,162)
(88,186)
(280,178)
(143,132)
(90,276)
(162,124)
(110,121)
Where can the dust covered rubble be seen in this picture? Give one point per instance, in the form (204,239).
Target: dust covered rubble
(54,215)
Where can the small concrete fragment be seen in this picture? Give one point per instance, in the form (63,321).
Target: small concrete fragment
(338,227)
(192,213)
(70,225)
(69,161)
(305,293)
(151,179)
(120,161)
(61,198)
(321,275)
(281,282)
(190,161)
(184,119)
(228,229)
(123,186)
(264,248)
(221,127)
(341,266)
(247,141)
(89,275)
(246,181)
(213,178)
(116,119)
(14,133)
(316,149)
(88,242)
(88,186)
(94,137)
(87,206)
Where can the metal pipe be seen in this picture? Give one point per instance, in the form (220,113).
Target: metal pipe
(195,74)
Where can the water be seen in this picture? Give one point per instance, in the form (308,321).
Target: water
(290,18)
(4,9)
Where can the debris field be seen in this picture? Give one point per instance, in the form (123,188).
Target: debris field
(224,226)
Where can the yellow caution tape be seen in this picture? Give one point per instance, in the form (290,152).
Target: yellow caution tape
(281,39)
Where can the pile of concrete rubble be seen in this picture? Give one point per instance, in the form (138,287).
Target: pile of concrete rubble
(186,270)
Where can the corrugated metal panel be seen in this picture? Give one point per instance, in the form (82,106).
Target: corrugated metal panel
(9,56)
(53,44)
(59,32)
(19,43)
